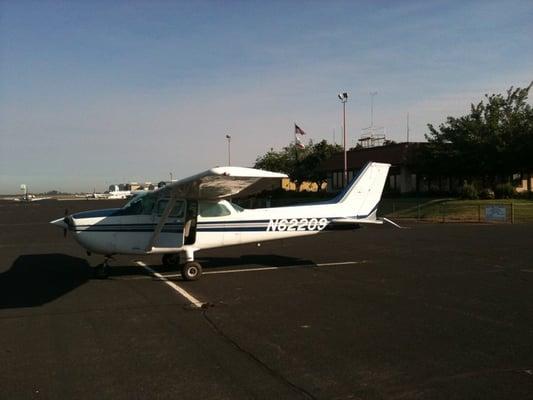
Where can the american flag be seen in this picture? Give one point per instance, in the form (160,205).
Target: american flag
(298,130)
(298,143)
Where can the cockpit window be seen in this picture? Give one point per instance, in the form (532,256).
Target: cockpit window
(208,209)
(141,204)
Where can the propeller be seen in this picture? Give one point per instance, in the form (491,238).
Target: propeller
(66,219)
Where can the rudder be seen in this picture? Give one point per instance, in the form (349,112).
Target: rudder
(364,193)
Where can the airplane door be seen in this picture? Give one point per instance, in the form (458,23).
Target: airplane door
(190,222)
(170,235)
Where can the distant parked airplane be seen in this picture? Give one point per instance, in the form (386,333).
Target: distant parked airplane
(27,197)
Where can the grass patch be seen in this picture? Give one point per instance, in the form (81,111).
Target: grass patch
(449,210)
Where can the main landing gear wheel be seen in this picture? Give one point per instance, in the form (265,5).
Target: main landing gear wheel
(170,259)
(191,271)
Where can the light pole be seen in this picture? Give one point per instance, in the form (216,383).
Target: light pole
(229,148)
(344,98)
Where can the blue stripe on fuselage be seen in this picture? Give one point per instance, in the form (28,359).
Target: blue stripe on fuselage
(107,212)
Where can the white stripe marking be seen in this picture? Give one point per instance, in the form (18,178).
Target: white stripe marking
(194,301)
(233,271)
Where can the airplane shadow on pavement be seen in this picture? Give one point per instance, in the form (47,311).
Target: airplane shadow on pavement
(36,279)
(251,260)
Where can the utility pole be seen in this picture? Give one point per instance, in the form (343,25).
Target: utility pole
(344,98)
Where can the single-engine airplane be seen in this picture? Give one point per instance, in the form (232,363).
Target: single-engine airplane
(194,214)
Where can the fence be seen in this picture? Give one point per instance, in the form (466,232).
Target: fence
(431,210)
(448,210)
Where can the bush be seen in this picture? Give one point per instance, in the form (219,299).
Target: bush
(504,191)
(469,192)
(487,194)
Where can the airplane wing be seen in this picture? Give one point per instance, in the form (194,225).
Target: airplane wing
(221,182)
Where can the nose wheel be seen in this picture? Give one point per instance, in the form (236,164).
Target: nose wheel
(191,270)
(101,271)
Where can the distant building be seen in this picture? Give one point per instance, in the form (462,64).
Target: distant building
(289,185)
(401,178)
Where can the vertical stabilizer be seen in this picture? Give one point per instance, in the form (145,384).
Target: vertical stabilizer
(364,193)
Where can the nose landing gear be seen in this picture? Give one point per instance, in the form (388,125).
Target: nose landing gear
(101,271)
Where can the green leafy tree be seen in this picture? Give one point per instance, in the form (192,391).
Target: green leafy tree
(319,152)
(300,165)
(494,139)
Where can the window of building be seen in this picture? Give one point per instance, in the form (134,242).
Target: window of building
(340,179)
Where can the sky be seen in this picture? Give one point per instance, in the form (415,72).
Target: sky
(97,92)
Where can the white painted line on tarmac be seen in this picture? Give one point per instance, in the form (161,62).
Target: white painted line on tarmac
(234,271)
(193,300)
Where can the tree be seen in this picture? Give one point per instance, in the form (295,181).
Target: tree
(494,139)
(299,164)
(319,153)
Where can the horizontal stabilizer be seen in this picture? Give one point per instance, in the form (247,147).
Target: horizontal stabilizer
(357,221)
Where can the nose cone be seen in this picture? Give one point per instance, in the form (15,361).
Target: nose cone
(60,223)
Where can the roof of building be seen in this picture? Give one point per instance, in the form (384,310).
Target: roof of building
(395,154)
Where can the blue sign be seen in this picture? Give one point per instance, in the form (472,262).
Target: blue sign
(495,213)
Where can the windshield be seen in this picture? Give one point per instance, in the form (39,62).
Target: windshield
(142,203)
(134,198)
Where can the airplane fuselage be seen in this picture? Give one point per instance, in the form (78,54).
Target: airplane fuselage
(110,232)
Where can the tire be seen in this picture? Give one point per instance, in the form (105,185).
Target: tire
(191,271)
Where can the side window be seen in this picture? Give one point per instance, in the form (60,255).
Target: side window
(177,211)
(148,203)
(213,210)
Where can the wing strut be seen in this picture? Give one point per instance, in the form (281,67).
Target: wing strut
(162,221)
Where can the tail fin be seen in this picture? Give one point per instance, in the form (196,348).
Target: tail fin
(364,193)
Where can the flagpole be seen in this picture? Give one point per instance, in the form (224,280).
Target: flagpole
(229,149)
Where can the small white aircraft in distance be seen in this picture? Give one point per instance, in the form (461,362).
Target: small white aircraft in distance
(194,213)
(27,197)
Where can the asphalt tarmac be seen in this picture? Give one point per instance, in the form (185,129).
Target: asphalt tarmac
(441,311)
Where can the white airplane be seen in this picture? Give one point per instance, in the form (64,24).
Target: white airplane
(193,214)
(27,197)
